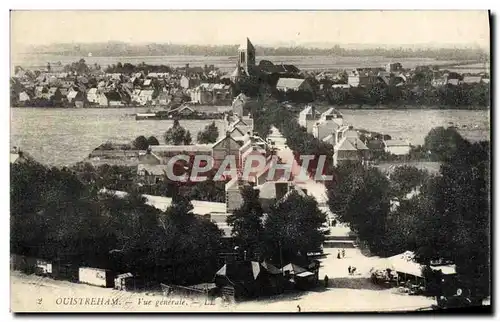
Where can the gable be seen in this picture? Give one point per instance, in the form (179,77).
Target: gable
(226,143)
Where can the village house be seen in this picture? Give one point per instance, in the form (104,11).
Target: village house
(360,79)
(308,117)
(145,97)
(147,84)
(209,93)
(245,124)
(471,80)
(189,82)
(39,91)
(135,96)
(151,173)
(242,105)
(113,99)
(149,157)
(393,67)
(102,99)
(224,147)
(24,97)
(329,122)
(348,147)
(92,96)
(294,84)
(447,78)
(162,98)
(184,110)
(76,98)
(397,147)
(166,152)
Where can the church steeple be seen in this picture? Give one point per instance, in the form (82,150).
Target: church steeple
(246,56)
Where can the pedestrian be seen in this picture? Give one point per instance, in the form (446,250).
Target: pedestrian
(338,255)
(298,308)
(334,223)
(353,270)
(343,253)
(326,280)
(349,269)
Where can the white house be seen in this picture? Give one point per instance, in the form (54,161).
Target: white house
(145,96)
(92,96)
(329,122)
(307,117)
(397,147)
(23,97)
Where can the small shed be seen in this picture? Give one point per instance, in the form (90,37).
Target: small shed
(96,276)
(301,277)
(248,279)
(128,282)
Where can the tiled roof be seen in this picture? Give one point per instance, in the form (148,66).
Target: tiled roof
(293,83)
(350,144)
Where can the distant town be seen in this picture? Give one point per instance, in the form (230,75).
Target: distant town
(85,85)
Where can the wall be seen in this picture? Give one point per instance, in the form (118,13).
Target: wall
(398,150)
(94,276)
(115,153)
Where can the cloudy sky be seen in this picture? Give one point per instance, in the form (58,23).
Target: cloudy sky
(264,27)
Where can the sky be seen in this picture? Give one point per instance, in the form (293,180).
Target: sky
(262,27)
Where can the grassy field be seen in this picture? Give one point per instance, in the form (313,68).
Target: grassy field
(228,63)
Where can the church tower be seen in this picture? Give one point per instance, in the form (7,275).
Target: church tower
(246,56)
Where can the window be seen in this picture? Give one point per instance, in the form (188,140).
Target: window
(242,57)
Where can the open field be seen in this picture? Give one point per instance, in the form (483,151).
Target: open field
(228,63)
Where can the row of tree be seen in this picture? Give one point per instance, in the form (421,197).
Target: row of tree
(178,135)
(469,96)
(447,217)
(55,215)
(159,49)
(127,68)
(68,220)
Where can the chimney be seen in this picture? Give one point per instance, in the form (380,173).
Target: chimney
(228,134)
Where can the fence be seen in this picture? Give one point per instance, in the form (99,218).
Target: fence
(196,291)
(115,154)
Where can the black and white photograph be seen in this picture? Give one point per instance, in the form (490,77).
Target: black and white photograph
(292,161)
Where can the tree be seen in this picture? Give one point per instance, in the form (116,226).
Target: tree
(456,224)
(141,143)
(246,222)
(64,219)
(360,197)
(406,178)
(209,135)
(153,141)
(189,244)
(177,135)
(292,228)
(187,138)
(443,143)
